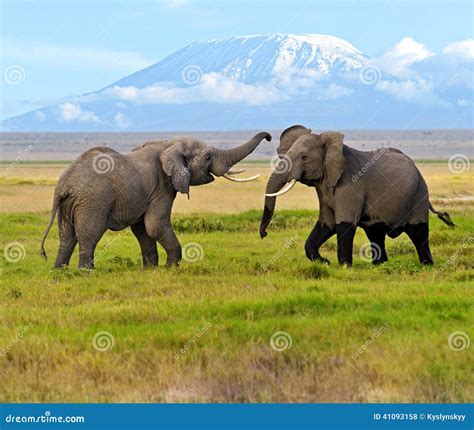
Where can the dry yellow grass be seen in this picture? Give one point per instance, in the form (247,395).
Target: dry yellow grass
(29,188)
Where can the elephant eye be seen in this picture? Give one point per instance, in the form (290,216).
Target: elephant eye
(304,157)
(208,157)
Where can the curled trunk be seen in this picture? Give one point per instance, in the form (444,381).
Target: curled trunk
(226,158)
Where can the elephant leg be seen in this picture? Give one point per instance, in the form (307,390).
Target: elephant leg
(345,239)
(158,226)
(89,232)
(320,234)
(166,237)
(376,234)
(147,245)
(419,235)
(67,241)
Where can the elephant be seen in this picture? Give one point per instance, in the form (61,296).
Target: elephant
(381,191)
(103,189)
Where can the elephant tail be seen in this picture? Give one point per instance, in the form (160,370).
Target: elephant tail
(443,216)
(56,203)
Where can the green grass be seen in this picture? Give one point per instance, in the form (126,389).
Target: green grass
(222,311)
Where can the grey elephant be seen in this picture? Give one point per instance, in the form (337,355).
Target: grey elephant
(104,189)
(381,191)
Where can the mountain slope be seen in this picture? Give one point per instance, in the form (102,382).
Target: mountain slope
(261,81)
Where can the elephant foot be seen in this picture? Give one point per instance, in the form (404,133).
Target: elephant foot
(318,259)
(314,255)
(172,263)
(378,262)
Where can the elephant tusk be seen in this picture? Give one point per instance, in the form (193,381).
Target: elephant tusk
(235,172)
(284,190)
(231,178)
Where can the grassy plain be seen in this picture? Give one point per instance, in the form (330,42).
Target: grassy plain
(209,330)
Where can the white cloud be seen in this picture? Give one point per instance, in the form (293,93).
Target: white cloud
(418,91)
(69,56)
(294,80)
(335,91)
(220,88)
(40,115)
(213,87)
(397,60)
(121,120)
(462,48)
(420,71)
(73,112)
(464,103)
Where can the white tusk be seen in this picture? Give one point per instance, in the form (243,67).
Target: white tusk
(231,178)
(284,190)
(235,172)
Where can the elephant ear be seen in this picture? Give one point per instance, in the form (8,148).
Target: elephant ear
(173,163)
(334,160)
(289,136)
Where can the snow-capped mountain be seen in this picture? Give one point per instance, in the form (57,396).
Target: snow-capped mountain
(252,59)
(272,81)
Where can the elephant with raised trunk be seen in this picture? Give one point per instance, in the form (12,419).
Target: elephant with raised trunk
(104,189)
(381,191)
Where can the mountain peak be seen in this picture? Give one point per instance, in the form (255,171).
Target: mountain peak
(324,40)
(253,59)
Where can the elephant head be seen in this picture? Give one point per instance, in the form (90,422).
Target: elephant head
(289,136)
(190,161)
(311,159)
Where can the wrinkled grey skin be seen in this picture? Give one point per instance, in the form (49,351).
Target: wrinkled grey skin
(381,191)
(138,191)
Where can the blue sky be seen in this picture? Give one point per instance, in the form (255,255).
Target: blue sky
(69,48)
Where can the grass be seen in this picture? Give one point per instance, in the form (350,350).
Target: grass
(29,188)
(203,332)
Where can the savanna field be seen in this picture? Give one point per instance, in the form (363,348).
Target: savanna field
(242,319)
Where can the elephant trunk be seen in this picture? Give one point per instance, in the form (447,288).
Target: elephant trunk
(275,183)
(226,158)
